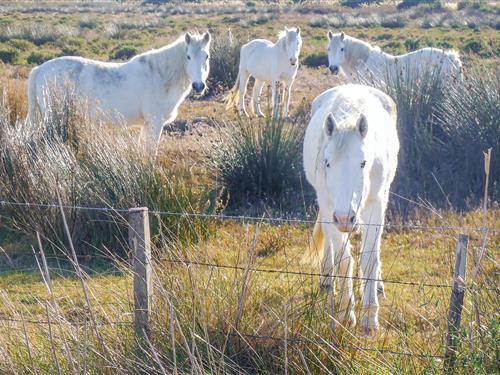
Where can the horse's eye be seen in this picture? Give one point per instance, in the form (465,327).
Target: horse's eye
(327,164)
(189,57)
(206,58)
(363,164)
(342,49)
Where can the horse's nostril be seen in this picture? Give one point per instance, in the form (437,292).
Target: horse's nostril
(352,219)
(335,218)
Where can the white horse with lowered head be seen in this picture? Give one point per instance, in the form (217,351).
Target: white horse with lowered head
(350,158)
(361,62)
(267,62)
(149,88)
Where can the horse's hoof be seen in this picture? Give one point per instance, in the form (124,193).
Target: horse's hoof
(325,287)
(369,327)
(381,290)
(348,320)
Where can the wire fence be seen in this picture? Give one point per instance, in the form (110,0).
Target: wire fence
(483,231)
(243,218)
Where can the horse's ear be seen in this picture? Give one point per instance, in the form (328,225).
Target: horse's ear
(342,36)
(188,38)
(330,125)
(330,35)
(206,38)
(362,126)
(298,30)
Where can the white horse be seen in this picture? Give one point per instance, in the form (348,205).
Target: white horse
(267,62)
(149,88)
(361,62)
(350,158)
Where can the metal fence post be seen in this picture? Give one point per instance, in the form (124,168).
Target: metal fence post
(457,300)
(139,242)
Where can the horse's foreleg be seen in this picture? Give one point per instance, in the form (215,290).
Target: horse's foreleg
(289,94)
(373,215)
(326,280)
(274,96)
(257,92)
(343,266)
(152,130)
(243,88)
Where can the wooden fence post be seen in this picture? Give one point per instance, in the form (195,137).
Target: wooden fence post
(139,242)
(457,300)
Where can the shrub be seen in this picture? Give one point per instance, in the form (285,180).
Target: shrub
(469,120)
(358,3)
(393,22)
(38,57)
(405,4)
(258,159)
(8,55)
(443,128)
(123,53)
(63,154)
(88,24)
(224,61)
(20,44)
(412,44)
(315,60)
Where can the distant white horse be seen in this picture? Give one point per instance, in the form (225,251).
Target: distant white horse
(149,88)
(350,158)
(267,62)
(360,62)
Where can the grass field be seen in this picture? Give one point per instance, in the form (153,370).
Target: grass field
(209,319)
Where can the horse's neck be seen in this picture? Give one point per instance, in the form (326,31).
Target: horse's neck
(280,46)
(357,52)
(169,66)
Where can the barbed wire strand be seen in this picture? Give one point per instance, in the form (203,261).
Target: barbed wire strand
(223,217)
(310,274)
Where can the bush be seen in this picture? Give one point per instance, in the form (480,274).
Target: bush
(62,154)
(258,159)
(315,60)
(224,61)
(469,121)
(123,53)
(412,44)
(405,4)
(393,22)
(358,3)
(443,127)
(8,55)
(38,58)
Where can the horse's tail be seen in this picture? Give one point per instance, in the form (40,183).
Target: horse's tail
(233,96)
(33,106)
(317,243)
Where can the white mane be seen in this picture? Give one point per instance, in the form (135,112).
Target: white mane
(169,61)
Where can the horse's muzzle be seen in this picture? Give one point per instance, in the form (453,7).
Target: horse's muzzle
(334,69)
(345,224)
(198,86)
(293,62)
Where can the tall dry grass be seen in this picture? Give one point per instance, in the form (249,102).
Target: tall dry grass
(89,164)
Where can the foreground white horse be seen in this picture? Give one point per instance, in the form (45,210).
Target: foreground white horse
(267,62)
(150,87)
(350,158)
(360,62)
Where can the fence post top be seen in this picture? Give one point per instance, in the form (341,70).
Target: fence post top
(137,209)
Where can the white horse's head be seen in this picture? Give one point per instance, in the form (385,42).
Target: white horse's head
(336,51)
(346,165)
(197,63)
(293,43)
